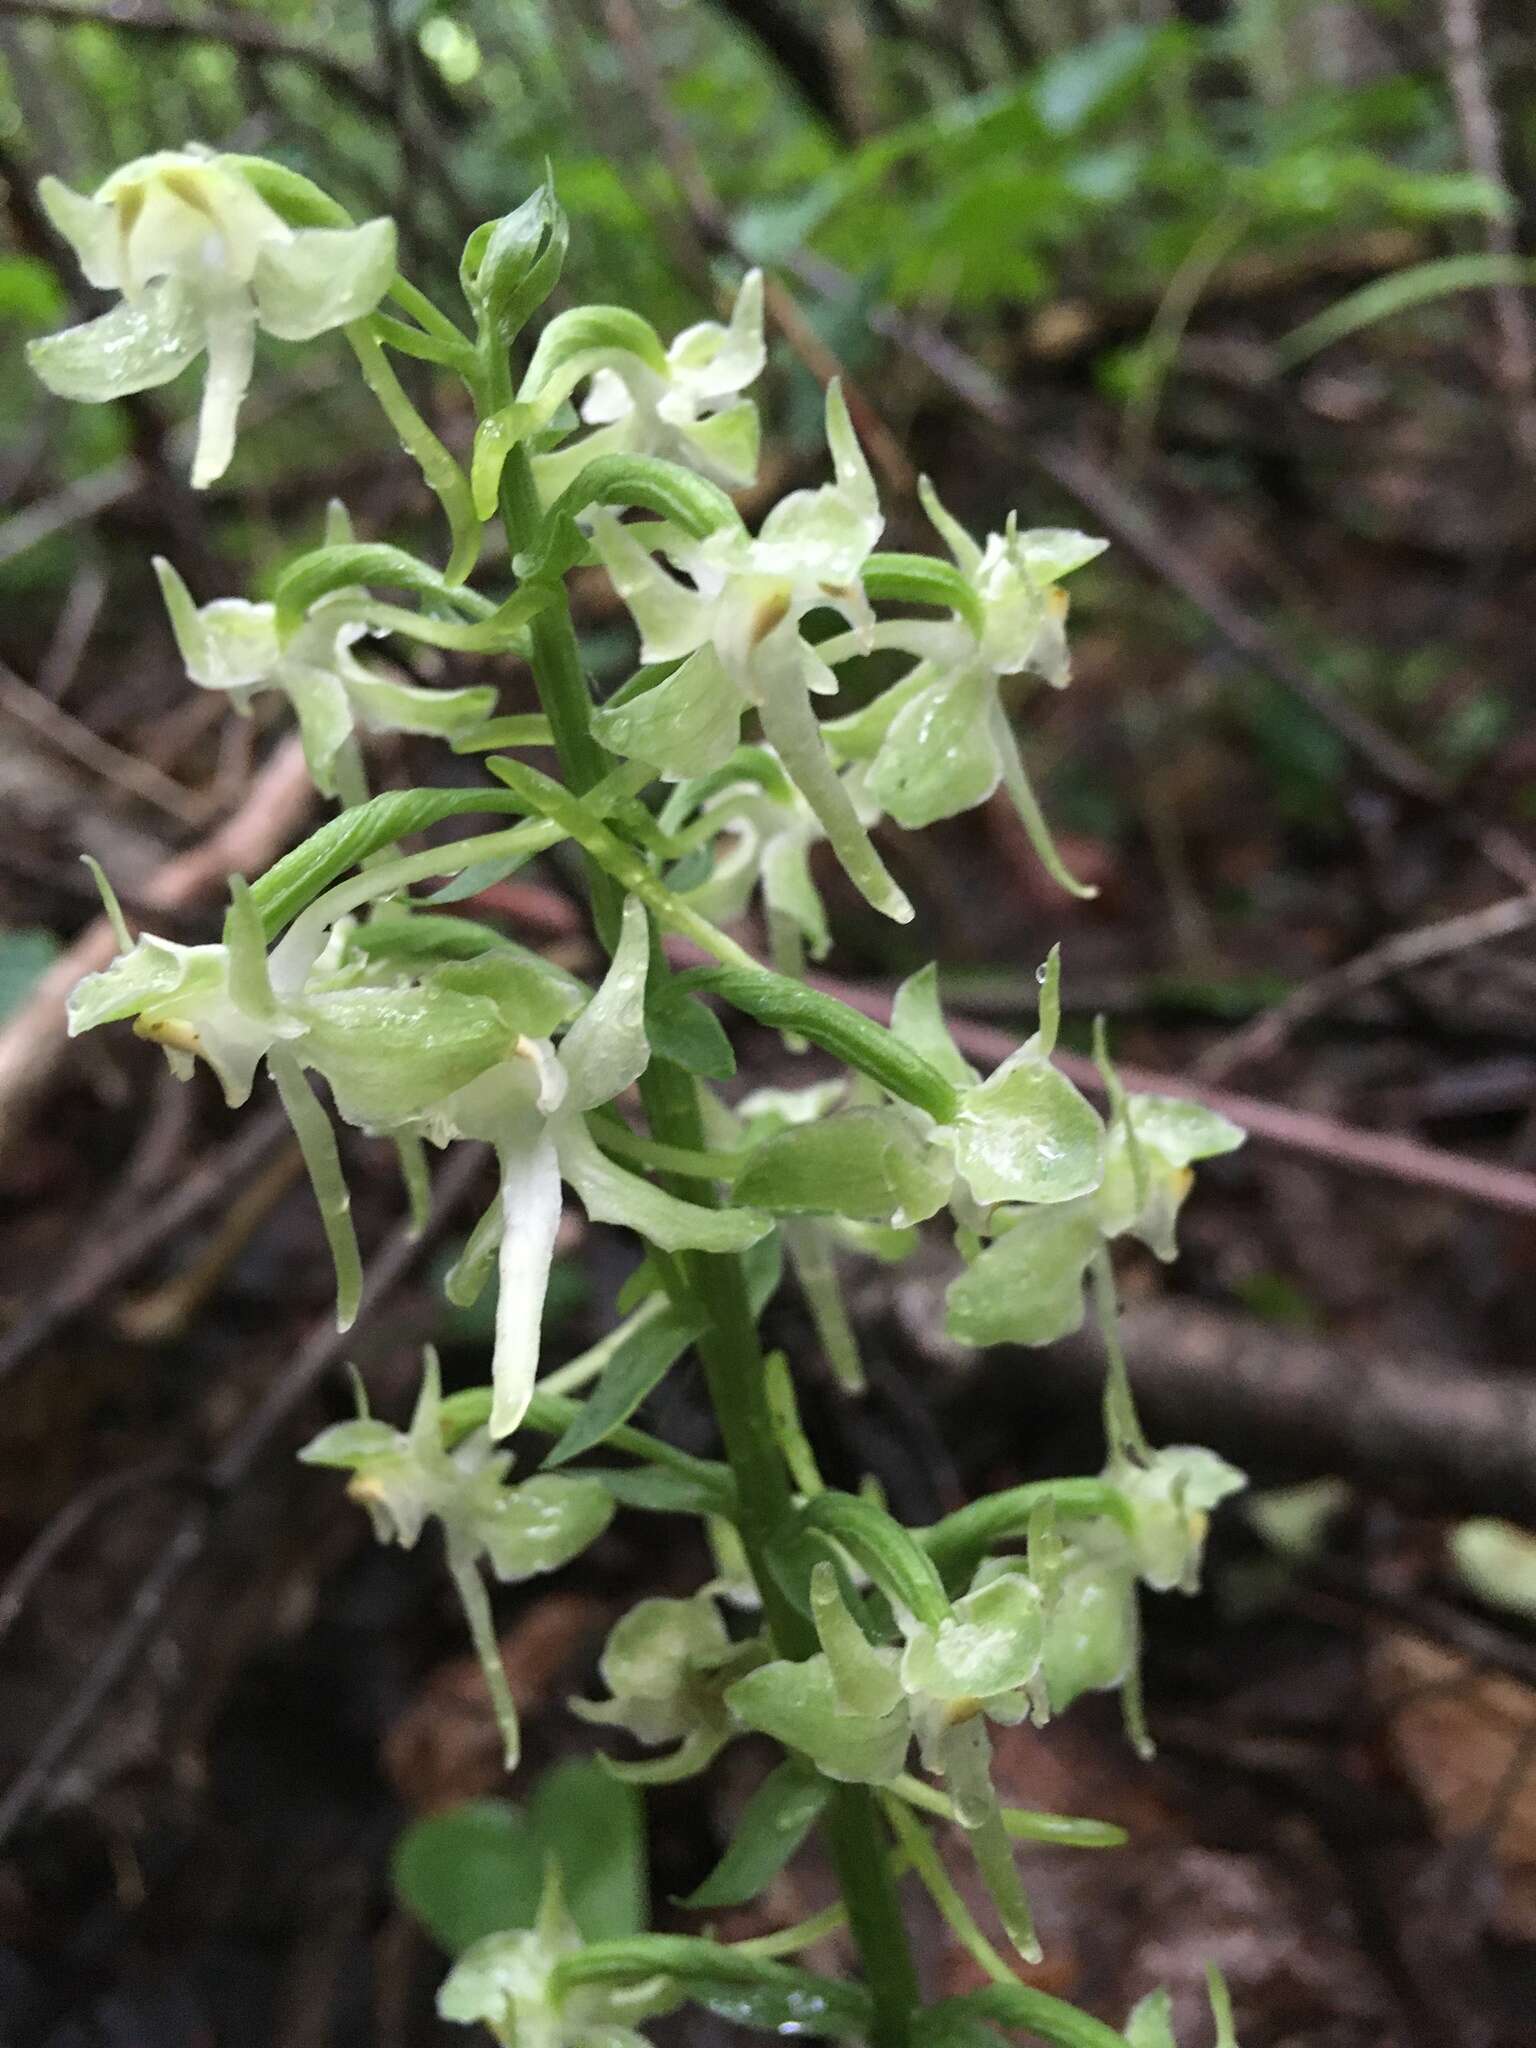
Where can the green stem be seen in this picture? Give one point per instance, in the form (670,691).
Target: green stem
(728,1347)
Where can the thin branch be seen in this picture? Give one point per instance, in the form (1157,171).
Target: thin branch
(1472,94)
(1265,1036)
(67,736)
(106,1260)
(251,34)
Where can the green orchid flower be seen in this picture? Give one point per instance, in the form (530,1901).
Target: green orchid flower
(940,741)
(734,629)
(760,832)
(1025,1134)
(683,402)
(667,1665)
(404,1478)
(435,1050)
(1026,1286)
(234,646)
(201,261)
(508,1983)
(855,1708)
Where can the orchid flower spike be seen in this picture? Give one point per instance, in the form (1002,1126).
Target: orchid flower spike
(234,646)
(734,628)
(201,260)
(940,741)
(683,402)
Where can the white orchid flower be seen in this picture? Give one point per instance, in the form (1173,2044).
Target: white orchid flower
(683,403)
(734,626)
(234,646)
(201,261)
(939,741)
(404,1478)
(449,1049)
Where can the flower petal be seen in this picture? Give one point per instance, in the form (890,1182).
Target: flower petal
(606,1048)
(611,1194)
(531,1203)
(230,329)
(939,756)
(688,724)
(1027,1135)
(322,278)
(1026,1287)
(89,228)
(138,346)
(672,620)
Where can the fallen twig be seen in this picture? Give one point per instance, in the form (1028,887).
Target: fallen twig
(1267,1033)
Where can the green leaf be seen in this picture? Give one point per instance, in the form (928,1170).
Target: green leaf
(478,1869)
(1399,293)
(797,1011)
(656,1489)
(639,1365)
(867,1164)
(686,1032)
(594,1826)
(776,1820)
(359,565)
(471,1871)
(1015,2005)
(891,1555)
(923,579)
(346,841)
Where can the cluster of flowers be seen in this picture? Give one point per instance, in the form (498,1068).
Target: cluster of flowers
(426,1027)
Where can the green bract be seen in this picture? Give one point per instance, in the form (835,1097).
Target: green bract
(235,646)
(734,627)
(202,261)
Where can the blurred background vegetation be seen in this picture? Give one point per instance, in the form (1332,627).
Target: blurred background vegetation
(1242,284)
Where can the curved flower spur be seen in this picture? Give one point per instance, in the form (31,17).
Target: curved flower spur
(201,260)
